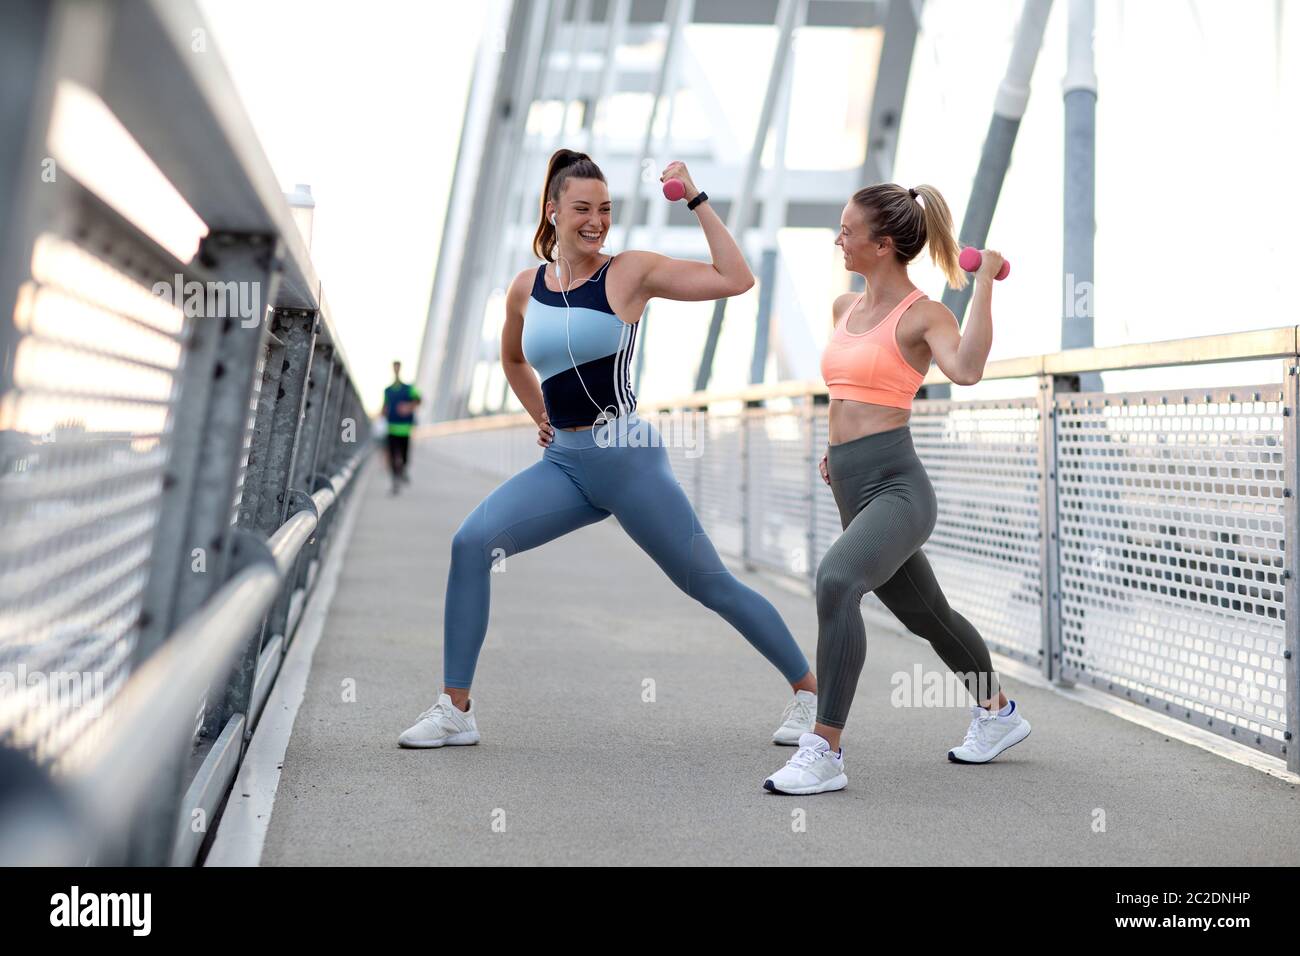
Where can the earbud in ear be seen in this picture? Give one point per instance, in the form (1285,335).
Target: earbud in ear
(552,219)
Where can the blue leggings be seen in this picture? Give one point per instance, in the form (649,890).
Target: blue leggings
(584,477)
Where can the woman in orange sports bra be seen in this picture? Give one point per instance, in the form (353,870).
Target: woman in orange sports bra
(874,363)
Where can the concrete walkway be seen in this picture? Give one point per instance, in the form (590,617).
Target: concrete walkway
(575,768)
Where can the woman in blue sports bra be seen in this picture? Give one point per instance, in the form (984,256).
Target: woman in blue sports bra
(571,323)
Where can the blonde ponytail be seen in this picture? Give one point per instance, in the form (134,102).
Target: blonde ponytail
(913,218)
(939,236)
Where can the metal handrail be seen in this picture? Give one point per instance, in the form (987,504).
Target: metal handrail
(111,774)
(256,414)
(290,537)
(214,158)
(1048,446)
(1279,342)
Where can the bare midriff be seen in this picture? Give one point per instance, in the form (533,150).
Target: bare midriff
(850,420)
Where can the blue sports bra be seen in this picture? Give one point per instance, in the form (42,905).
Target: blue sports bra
(599,344)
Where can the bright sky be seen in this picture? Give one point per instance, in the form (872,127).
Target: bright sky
(1197,197)
(1196,194)
(364,103)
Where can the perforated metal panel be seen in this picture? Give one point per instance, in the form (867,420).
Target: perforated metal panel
(85,439)
(720,507)
(780,489)
(1171,543)
(685,455)
(500,452)
(982,458)
(1170,515)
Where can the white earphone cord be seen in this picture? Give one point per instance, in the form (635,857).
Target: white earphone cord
(567,345)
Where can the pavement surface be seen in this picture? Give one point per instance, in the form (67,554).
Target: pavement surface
(575,767)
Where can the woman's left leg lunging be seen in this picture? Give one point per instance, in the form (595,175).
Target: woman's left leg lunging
(869,553)
(914,597)
(888,509)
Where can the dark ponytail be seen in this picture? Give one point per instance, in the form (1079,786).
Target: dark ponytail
(565,164)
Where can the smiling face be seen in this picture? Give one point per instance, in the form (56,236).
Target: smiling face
(582,216)
(861,251)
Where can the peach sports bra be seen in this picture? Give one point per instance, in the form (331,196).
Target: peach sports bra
(869,366)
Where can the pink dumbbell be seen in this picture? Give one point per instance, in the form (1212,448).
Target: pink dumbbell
(674,190)
(970,260)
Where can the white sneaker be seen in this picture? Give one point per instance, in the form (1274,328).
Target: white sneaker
(442,725)
(812,769)
(798,719)
(989,735)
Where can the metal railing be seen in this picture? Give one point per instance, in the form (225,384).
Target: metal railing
(169,474)
(1142,543)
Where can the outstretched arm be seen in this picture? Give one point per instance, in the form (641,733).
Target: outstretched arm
(686,280)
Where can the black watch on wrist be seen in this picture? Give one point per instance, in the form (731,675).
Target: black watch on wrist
(701,197)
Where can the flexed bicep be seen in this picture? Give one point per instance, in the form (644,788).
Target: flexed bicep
(683,280)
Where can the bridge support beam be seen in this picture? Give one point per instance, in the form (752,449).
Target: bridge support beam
(192,548)
(1291,556)
(1049,386)
(788,14)
(1008,108)
(1080,224)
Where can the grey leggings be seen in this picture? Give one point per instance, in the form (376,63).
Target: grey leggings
(888,510)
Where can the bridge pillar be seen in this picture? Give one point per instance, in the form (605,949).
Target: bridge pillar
(1291,558)
(1049,386)
(267,482)
(195,536)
